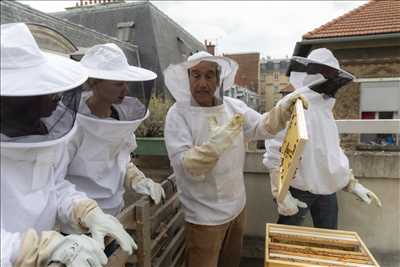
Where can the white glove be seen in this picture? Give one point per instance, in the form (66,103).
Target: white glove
(275,120)
(135,179)
(221,138)
(101,224)
(52,247)
(147,186)
(290,205)
(361,191)
(78,251)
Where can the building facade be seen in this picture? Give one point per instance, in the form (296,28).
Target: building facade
(251,98)
(273,80)
(248,74)
(366,42)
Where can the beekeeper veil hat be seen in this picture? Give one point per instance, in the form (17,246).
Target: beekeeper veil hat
(109,62)
(320,71)
(40,91)
(177,78)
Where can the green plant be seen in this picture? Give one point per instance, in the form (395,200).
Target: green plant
(153,126)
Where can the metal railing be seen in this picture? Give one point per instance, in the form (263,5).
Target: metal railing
(380,130)
(369,126)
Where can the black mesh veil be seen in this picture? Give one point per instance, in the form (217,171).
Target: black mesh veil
(127,104)
(38,118)
(335,79)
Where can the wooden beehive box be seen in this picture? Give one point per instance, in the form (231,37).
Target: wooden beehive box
(290,246)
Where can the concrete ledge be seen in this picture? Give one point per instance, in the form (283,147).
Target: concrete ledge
(366,164)
(375,164)
(379,228)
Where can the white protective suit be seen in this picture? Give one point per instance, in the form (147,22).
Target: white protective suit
(217,196)
(324,168)
(33,190)
(101,150)
(34,201)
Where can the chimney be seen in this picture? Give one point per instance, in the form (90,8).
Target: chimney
(210,47)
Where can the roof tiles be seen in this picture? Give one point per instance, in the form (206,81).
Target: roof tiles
(374,17)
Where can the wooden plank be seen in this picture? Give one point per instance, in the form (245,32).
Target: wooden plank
(143,233)
(127,217)
(319,256)
(179,258)
(318,261)
(318,251)
(292,149)
(164,212)
(316,235)
(169,230)
(316,240)
(167,257)
(365,249)
(272,226)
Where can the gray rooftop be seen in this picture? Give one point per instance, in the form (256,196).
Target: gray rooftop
(80,36)
(161,41)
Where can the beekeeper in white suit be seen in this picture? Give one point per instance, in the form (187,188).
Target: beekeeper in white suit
(35,128)
(324,168)
(205,135)
(113,105)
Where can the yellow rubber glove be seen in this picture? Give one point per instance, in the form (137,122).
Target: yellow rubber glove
(201,159)
(275,120)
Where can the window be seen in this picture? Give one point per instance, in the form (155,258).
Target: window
(125,32)
(380,99)
(276,75)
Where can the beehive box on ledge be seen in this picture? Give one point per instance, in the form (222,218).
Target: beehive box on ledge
(291,246)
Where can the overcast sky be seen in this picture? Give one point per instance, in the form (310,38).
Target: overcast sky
(269,27)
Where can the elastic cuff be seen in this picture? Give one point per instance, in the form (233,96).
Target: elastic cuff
(275,120)
(28,251)
(133,176)
(80,210)
(350,186)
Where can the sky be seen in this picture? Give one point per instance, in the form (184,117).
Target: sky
(269,27)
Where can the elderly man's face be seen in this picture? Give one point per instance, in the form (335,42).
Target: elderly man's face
(204,80)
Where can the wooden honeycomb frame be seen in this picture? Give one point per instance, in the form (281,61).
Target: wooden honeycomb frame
(297,246)
(292,149)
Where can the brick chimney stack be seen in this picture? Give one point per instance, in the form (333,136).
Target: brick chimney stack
(210,47)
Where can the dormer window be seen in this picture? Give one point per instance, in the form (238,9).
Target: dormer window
(126,31)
